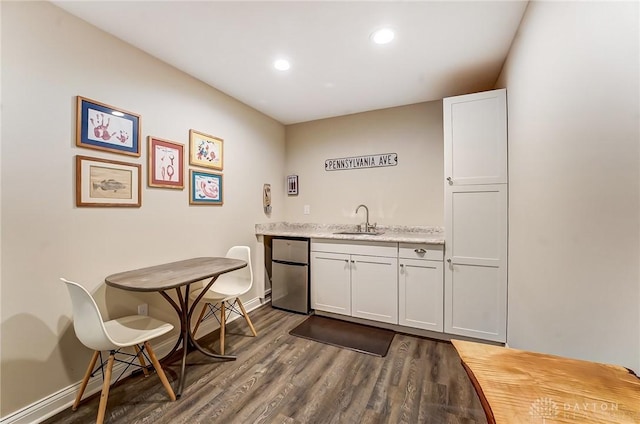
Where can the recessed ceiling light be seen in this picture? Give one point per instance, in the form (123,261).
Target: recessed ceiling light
(281,64)
(382,36)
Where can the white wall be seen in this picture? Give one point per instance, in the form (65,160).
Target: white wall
(48,58)
(574,181)
(410,193)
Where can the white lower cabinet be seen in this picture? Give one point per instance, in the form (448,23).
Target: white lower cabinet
(476,299)
(420,287)
(355,279)
(421,290)
(374,288)
(331,282)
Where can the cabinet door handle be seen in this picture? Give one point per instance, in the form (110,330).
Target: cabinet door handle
(450,180)
(449,260)
(375,262)
(330,259)
(420,251)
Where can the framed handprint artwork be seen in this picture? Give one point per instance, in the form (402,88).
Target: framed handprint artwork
(103,127)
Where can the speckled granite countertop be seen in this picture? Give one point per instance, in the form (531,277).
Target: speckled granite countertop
(393,233)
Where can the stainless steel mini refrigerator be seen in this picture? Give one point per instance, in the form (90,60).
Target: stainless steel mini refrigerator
(290,275)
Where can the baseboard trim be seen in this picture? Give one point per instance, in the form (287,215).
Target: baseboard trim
(62,399)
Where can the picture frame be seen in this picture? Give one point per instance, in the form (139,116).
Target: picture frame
(205,188)
(103,127)
(205,150)
(292,185)
(107,183)
(166,163)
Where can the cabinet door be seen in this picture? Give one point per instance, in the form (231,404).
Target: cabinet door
(475,138)
(330,282)
(420,291)
(374,288)
(476,261)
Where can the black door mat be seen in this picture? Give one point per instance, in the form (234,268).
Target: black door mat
(358,337)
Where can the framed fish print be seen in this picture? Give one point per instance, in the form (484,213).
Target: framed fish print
(205,150)
(205,188)
(166,163)
(103,127)
(107,183)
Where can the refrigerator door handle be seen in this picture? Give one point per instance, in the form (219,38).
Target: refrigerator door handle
(288,263)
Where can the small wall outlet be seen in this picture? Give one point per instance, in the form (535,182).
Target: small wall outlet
(143,309)
(307,209)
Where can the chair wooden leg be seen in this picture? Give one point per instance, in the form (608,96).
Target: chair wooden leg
(159,370)
(105,388)
(143,364)
(204,309)
(223,324)
(246,317)
(85,380)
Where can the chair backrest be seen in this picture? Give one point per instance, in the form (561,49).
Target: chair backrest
(87,320)
(242,278)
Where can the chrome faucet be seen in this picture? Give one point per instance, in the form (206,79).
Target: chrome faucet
(367,227)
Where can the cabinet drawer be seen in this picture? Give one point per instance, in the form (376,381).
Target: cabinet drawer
(433,252)
(352,247)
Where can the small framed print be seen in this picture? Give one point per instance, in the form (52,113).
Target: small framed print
(292,185)
(205,188)
(166,163)
(107,183)
(205,150)
(103,127)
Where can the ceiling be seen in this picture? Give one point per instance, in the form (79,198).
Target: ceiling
(440,49)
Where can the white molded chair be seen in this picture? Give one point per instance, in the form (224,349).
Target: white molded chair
(130,331)
(225,293)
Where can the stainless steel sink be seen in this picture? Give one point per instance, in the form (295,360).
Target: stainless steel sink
(360,233)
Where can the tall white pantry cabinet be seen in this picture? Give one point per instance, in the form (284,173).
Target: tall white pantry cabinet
(475,268)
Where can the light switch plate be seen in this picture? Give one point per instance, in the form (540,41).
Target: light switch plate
(307,209)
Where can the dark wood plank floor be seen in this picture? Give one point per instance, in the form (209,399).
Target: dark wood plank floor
(279,378)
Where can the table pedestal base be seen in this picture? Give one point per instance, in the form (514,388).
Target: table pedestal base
(186,338)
